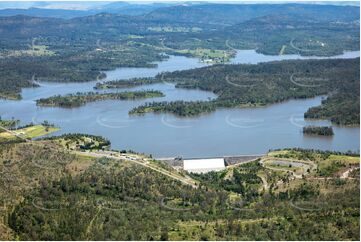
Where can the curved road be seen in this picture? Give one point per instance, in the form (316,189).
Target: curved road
(142,162)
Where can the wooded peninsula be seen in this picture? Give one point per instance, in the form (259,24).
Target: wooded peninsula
(266,83)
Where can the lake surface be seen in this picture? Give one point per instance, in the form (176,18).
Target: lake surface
(224,132)
(252,57)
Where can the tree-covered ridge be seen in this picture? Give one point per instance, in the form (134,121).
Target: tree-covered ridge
(294,34)
(266,83)
(80,99)
(230,14)
(57,195)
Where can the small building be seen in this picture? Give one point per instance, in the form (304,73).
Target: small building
(204,165)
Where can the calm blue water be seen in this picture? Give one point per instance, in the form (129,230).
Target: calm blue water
(224,132)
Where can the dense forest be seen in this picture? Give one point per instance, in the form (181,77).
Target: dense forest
(266,83)
(79,99)
(76,66)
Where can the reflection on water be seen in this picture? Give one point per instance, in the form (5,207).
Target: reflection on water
(224,132)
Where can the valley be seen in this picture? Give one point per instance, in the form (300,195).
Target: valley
(235,126)
(180,121)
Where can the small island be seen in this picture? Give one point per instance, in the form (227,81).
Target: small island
(317,130)
(179,108)
(80,99)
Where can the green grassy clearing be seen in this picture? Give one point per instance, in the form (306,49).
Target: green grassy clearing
(29,132)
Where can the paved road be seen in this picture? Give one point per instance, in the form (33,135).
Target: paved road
(142,162)
(14,133)
(243,162)
(230,47)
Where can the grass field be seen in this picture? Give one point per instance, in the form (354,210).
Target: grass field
(80,164)
(29,132)
(336,164)
(282,49)
(297,170)
(208,55)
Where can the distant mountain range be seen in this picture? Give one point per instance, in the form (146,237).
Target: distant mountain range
(60,11)
(200,12)
(237,13)
(208,17)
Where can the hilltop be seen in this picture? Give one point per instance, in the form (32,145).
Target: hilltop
(53,190)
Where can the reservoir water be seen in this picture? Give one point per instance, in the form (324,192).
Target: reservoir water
(224,132)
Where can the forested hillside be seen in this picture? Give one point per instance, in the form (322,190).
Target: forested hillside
(51,193)
(229,14)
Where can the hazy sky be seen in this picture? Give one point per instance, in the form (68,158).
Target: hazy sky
(84,5)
